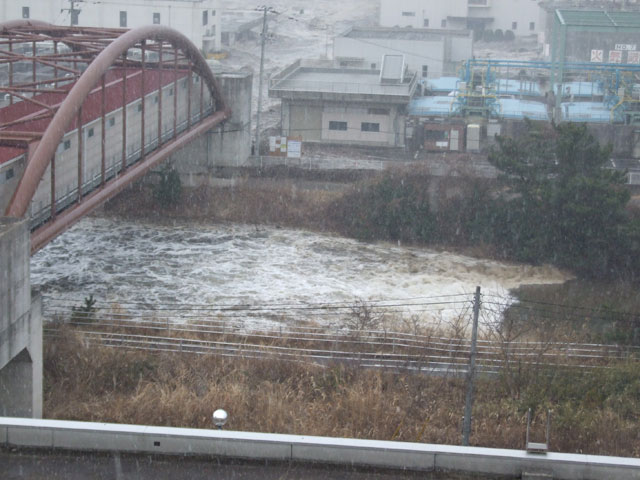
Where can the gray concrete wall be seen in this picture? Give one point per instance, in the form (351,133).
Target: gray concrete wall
(82,436)
(10,174)
(20,326)
(621,137)
(226,145)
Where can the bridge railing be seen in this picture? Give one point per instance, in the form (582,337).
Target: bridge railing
(41,216)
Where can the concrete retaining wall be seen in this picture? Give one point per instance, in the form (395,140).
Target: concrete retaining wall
(81,436)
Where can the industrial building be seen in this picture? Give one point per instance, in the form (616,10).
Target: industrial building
(328,104)
(199,20)
(428,52)
(450,104)
(522,17)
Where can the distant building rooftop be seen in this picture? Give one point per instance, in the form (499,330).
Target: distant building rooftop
(423,34)
(598,18)
(335,83)
(520,109)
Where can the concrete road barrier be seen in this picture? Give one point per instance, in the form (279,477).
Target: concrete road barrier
(101,437)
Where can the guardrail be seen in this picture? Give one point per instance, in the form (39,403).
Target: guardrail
(138,439)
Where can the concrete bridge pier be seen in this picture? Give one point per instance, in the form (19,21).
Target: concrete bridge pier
(20,326)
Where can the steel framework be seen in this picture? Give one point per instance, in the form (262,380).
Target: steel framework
(48,73)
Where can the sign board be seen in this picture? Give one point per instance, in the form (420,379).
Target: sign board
(625,46)
(633,58)
(615,56)
(294,149)
(285,147)
(597,55)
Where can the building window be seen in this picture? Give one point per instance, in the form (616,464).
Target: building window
(425,22)
(443,23)
(112,121)
(373,66)
(9,174)
(213,13)
(140,107)
(369,127)
(333,125)
(205,17)
(408,14)
(155,99)
(74,16)
(67,144)
(90,132)
(156,18)
(25,12)
(532,25)
(425,70)
(171,92)
(378,111)
(123,19)
(514,25)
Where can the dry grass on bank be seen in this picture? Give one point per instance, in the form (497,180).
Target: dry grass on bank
(112,385)
(251,201)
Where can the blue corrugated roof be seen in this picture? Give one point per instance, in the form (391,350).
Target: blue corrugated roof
(596,112)
(517,87)
(442,84)
(514,108)
(428,106)
(581,89)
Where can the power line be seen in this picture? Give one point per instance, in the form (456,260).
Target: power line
(565,306)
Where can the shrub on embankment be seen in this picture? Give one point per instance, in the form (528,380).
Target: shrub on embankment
(555,202)
(410,205)
(594,412)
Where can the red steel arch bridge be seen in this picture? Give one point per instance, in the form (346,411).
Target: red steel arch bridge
(84,112)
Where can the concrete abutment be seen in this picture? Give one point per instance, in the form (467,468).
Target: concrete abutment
(20,325)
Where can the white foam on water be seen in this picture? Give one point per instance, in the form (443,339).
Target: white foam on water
(187,263)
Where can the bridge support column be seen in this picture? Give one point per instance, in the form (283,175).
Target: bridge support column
(20,326)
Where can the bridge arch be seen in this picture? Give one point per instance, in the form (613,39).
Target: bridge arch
(45,150)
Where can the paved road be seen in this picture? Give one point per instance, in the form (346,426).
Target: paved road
(41,464)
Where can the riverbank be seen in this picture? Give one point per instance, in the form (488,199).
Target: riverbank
(594,411)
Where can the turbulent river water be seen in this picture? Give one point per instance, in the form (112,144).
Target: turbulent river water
(191,265)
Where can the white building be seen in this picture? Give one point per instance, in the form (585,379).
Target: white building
(199,20)
(349,106)
(522,17)
(427,52)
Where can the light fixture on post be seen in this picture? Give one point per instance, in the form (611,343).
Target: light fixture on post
(220,418)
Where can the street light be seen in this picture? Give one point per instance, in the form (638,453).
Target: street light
(220,418)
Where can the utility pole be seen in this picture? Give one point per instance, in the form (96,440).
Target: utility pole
(264,38)
(73,13)
(468,404)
